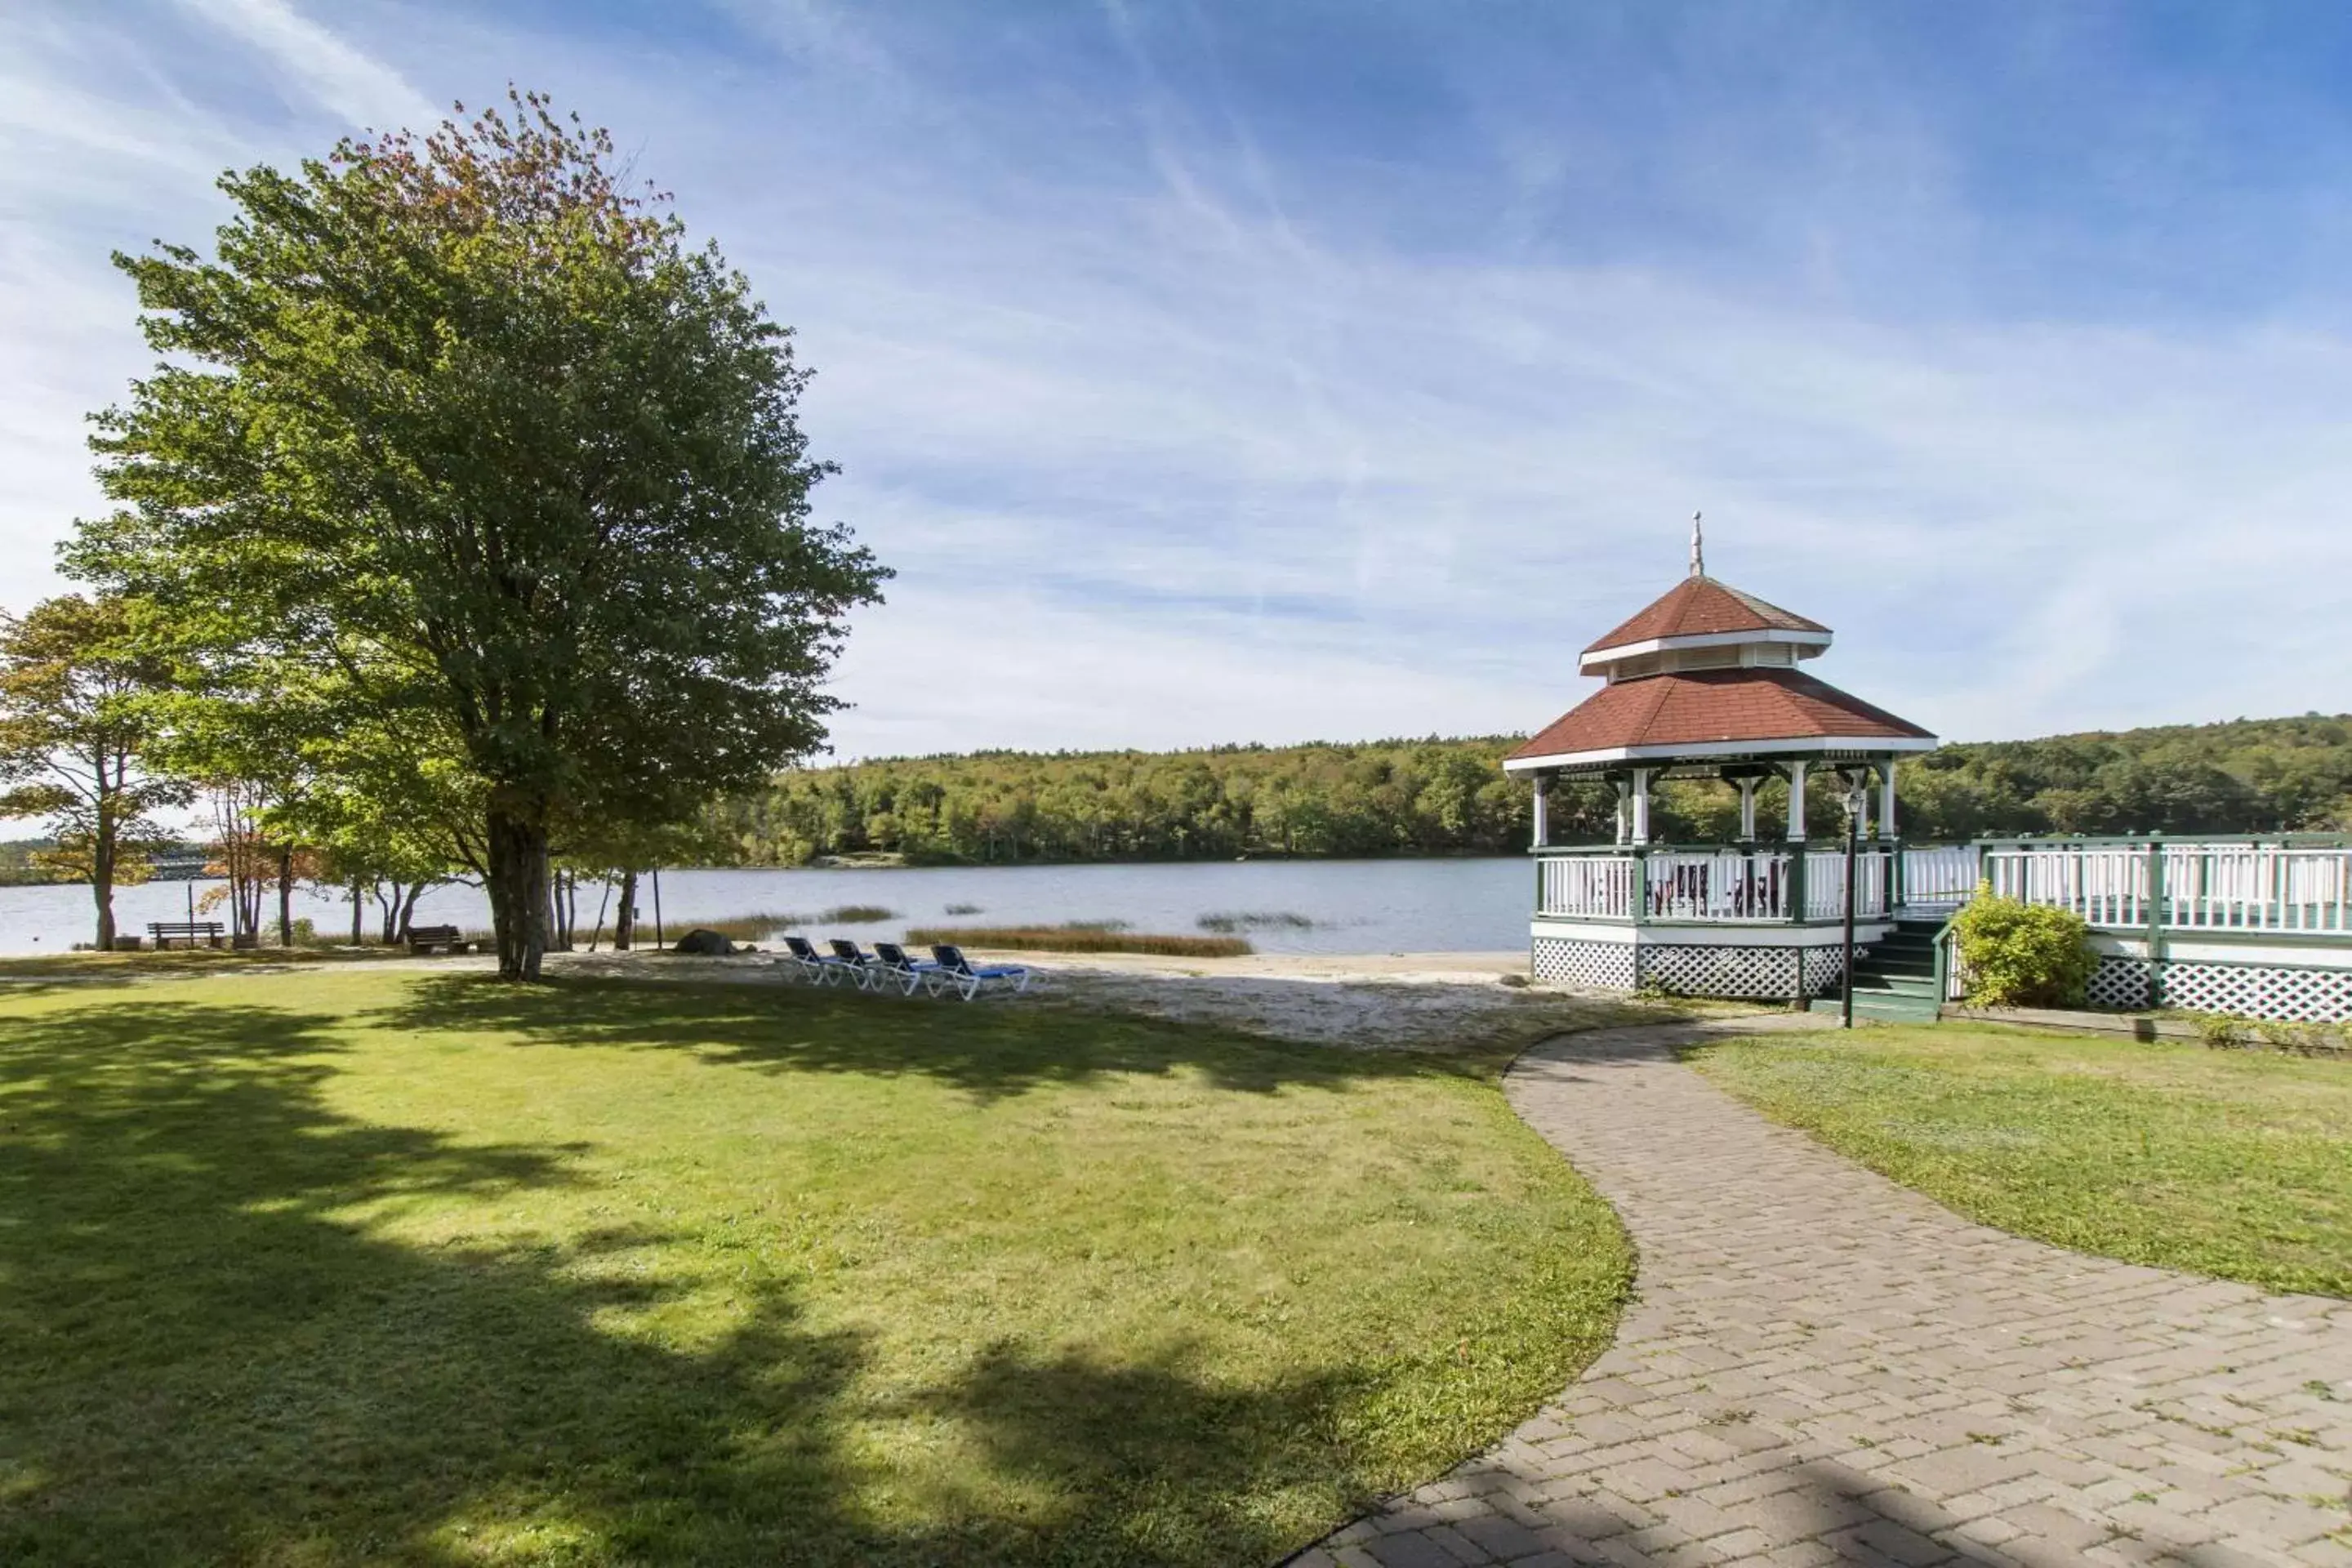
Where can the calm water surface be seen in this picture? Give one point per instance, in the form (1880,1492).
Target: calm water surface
(1357,906)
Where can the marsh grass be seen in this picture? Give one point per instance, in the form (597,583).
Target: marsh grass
(1084,936)
(2227,1163)
(359,1264)
(762,925)
(1234,920)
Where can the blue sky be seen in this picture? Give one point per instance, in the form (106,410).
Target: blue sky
(1280,371)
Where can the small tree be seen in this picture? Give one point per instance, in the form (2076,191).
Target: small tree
(460,416)
(74,725)
(2018,955)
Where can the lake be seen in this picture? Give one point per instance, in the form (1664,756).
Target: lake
(1353,906)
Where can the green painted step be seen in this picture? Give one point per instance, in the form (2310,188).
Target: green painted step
(1894,977)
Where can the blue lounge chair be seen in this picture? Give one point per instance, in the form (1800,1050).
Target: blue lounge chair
(822,968)
(893,965)
(958,974)
(864,966)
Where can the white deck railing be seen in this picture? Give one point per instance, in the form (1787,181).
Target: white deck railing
(1940,873)
(2105,886)
(2187,887)
(2250,887)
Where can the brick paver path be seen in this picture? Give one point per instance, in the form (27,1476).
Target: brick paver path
(1824,1367)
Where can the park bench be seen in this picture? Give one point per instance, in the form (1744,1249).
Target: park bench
(164,933)
(425,939)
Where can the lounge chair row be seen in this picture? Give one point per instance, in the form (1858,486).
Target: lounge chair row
(889,965)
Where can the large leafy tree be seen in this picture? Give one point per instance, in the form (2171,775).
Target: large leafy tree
(463,420)
(77,726)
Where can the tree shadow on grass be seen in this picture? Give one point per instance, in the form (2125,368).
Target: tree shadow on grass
(99,973)
(212,1357)
(1096,1437)
(209,1360)
(990,1051)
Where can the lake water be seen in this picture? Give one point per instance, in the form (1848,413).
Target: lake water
(1355,906)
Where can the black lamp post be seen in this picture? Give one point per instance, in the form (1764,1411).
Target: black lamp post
(1856,783)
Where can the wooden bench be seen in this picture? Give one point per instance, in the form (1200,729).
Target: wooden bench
(164,933)
(448,938)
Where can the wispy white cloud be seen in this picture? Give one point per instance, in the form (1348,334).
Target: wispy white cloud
(321,64)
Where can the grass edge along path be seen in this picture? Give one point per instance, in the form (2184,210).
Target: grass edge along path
(396,1266)
(2236,1164)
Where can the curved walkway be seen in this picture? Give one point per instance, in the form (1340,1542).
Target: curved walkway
(1822,1366)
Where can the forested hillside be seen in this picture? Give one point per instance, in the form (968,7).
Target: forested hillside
(1450,797)
(16,864)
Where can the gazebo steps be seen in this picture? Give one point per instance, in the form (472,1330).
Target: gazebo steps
(1894,978)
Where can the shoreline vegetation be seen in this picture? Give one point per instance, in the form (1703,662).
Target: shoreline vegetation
(1083,936)
(1436,798)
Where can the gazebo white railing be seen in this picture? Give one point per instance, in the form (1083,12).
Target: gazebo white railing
(1708,884)
(2117,884)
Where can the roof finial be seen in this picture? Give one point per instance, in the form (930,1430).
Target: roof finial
(1698,548)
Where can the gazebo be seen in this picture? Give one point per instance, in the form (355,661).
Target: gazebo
(1706,682)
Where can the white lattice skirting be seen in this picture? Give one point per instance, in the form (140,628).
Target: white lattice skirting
(1752,974)
(1823,965)
(2250,990)
(1587,965)
(1738,972)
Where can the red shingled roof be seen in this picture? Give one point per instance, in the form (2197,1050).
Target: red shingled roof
(1695,707)
(1697,605)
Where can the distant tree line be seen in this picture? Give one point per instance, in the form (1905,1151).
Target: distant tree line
(1450,797)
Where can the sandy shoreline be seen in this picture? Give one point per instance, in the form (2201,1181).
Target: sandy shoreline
(1425,1001)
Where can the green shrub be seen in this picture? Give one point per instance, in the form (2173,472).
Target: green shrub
(2227,1031)
(2022,956)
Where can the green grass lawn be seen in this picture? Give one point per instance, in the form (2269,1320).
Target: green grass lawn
(359,1264)
(2236,1164)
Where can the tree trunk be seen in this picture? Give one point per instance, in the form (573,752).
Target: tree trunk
(518,887)
(625,920)
(101,883)
(285,898)
(358,914)
(407,919)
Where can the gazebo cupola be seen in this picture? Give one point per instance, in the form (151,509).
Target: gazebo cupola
(1705,682)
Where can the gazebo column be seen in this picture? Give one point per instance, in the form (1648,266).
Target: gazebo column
(1886,798)
(1624,811)
(1542,810)
(1641,804)
(1796,802)
(1748,808)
